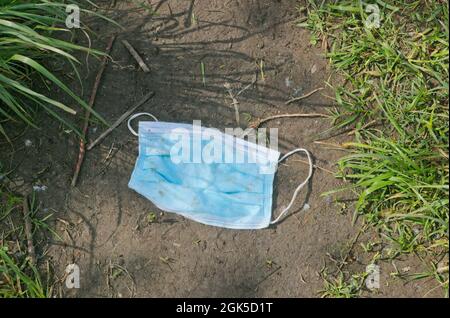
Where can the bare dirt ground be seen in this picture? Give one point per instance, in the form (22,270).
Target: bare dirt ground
(104,226)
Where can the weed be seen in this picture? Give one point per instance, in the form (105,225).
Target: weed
(19,280)
(151,217)
(396,77)
(202,70)
(342,287)
(27,36)
(19,277)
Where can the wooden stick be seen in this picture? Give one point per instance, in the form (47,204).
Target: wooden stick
(296,99)
(315,166)
(332,145)
(235,103)
(362,128)
(255,79)
(28,230)
(136,56)
(88,112)
(120,120)
(259,122)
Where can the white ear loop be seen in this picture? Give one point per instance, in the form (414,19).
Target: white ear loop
(294,196)
(137,115)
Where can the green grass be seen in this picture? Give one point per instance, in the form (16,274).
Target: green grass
(31,32)
(19,277)
(396,97)
(19,280)
(28,35)
(341,287)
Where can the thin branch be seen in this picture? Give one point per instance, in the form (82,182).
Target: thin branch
(120,120)
(29,231)
(369,124)
(136,56)
(255,79)
(296,99)
(316,166)
(259,122)
(82,150)
(235,102)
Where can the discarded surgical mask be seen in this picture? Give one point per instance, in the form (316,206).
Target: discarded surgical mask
(215,191)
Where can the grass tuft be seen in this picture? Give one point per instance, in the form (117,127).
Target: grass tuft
(28,35)
(396,97)
(19,277)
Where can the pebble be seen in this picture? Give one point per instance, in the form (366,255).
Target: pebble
(288,82)
(38,188)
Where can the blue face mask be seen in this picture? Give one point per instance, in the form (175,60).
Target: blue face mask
(234,194)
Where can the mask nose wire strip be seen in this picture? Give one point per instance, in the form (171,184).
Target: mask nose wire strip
(294,196)
(137,115)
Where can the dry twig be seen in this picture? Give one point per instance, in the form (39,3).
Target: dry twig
(136,56)
(120,120)
(296,99)
(259,122)
(28,230)
(88,112)
(234,102)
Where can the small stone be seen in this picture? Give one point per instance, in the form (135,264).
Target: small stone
(288,82)
(39,188)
